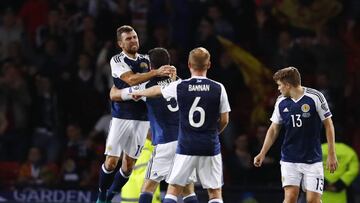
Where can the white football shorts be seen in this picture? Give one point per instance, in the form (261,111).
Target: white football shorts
(126,135)
(310,177)
(161,161)
(208,169)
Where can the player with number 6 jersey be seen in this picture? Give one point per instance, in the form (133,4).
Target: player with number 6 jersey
(204,113)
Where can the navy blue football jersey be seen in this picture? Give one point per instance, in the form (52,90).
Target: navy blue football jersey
(120,64)
(200,101)
(163,115)
(302,123)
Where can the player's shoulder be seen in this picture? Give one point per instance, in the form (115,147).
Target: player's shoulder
(118,58)
(215,82)
(280,99)
(143,57)
(314,94)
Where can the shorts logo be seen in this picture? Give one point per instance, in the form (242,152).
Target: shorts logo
(143,65)
(109,148)
(305,108)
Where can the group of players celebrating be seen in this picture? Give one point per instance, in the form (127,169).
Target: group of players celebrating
(185,118)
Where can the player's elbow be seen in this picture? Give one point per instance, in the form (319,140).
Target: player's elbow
(114,96)
(224,121)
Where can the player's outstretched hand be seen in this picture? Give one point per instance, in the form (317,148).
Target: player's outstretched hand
(166,70)
(258,160)
(331,164)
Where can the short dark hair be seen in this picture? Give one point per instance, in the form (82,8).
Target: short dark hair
(122,29)
(158,57)
(288,75)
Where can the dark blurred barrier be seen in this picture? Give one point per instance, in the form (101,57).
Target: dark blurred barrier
(265,194)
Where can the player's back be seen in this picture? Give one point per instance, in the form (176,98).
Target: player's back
(199,103)
(163,115)
(120,64)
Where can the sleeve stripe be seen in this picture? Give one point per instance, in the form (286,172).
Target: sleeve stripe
(117,58)
(316,93)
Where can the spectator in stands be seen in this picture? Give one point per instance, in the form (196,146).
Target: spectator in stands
(14,103)
(46,118)
(9,33)
(34,172)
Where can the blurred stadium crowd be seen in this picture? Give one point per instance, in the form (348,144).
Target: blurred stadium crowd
(55,75)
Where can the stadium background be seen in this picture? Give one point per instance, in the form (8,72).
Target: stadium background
(55,79)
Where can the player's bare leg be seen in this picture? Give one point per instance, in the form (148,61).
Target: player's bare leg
(172,193)
(111,162)
(150,186)
(128,164)
(313,197)
(291,194)
(147,191)
(215,195)
(121,177)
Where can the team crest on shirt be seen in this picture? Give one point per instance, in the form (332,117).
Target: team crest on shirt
(305,108)
(143,65)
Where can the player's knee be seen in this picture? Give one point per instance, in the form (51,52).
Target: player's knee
(188,189)
(313,200)
(110,164)
(128,164)
(290,197)
(149,186)
(214,193)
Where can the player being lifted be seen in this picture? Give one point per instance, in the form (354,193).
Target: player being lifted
(204,113)
(164,121)
(301,111)
(129,125)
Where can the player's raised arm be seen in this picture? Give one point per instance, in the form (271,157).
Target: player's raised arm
(271,135)
(153,91)
(120,95)
(331,162)
(132,78)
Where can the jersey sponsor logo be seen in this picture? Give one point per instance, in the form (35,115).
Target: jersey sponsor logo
(306,115)
(143,65)
(286,109)
(305,108)
(199,88)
